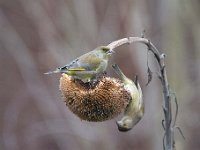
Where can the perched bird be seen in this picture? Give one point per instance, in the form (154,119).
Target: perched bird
(87,66)
(135,109)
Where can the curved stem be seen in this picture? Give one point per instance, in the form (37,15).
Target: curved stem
(169,139)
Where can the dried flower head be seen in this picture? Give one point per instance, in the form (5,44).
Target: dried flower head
(98,101)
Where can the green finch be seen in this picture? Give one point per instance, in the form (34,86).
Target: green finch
(87,66)
(135,109)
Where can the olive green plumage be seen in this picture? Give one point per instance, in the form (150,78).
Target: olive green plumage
(135,109)
(87,66)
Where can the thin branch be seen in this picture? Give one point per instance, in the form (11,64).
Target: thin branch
(163,124)
(181,133)
(149,72)
(176,109)
(164,136)
(168,138)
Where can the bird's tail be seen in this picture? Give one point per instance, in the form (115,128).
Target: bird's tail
(55,71)
(141,101)
(119,72)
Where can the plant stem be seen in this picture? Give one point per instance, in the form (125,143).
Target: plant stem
(168,137)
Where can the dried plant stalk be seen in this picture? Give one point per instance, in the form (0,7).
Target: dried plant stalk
(168,127)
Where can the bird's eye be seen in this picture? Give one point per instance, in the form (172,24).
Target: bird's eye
(105,49)
(125,125)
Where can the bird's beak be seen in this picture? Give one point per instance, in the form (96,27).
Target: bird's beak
(111,51)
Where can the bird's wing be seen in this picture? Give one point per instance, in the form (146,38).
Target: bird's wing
(87,62)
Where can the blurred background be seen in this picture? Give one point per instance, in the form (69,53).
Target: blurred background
(40,35)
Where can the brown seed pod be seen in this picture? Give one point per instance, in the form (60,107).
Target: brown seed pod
(94,102)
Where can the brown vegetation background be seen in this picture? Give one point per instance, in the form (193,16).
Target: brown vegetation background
(39,35)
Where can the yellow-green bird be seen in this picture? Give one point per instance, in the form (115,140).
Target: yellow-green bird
(87,66)
(135,109)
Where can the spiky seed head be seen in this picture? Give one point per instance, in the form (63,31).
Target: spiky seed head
(101,101)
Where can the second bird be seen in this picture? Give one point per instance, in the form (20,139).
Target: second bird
(135,109)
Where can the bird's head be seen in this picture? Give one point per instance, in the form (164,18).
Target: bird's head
(125,124)
(106,50)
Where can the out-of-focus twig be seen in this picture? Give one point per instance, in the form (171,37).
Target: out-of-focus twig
(167,124)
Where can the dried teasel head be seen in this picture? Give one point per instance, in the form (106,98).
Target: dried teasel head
(101,101)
